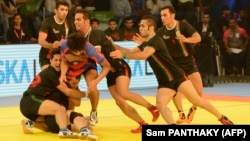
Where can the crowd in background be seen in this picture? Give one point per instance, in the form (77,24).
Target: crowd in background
(17,27)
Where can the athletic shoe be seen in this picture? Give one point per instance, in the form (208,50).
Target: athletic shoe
(182,118)
(66,133)
(225,121)
(155,113)
(190,115)
(93,118)
(139,129)
(27,126)
(87,134)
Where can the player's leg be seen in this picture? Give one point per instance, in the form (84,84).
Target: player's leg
(187,89)
(93,95)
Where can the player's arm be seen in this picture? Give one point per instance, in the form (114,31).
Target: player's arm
(134,53)
(195,38)
(70,92)
(42,40)
(106,67)
(64,68)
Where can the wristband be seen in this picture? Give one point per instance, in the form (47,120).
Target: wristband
(124,55)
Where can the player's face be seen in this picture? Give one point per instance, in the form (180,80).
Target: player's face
(80,22)
(62,12)
(166,17)
(143,28)
(55,62)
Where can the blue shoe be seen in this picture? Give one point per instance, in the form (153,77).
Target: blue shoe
(66,133)
(87,134)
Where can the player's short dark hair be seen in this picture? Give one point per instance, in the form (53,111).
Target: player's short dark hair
(170,8)
(61,2)
(86,14)
(54,52)
(150,19)
(76,41)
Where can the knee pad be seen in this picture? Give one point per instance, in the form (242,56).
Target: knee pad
(73,115)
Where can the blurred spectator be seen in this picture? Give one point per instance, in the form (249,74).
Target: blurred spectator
(10,7)
(235,41)
(112,30)
(49,6)
(88,5)
(139,9)
(129,30)
(102,5)
(121,9)
(17,33)
(2,22)
(223,22)
(155,6)
(95,23)
(205,50)
(185,10)
(242,20)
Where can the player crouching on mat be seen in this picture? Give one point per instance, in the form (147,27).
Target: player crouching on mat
(45,104)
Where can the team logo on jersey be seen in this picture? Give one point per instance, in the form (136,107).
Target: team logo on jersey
(165,37)
(56,31)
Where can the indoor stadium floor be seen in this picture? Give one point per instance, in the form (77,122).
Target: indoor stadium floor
(232,99)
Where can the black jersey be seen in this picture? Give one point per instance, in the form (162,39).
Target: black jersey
(55,32)
(98,37)
(177,48)
(45,83)
(161,62)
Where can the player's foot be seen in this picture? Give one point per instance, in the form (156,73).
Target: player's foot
(85,133)
(93,118)
(182,118)
(155,113)
(27,126)
(190,115)
(139,129)
(66,133)
(225,121)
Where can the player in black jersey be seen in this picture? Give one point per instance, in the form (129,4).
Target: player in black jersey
(52,32)
(118,78)
(170,77)
(45,104)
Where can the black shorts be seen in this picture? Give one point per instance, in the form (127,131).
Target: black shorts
(29,106)
(124,69)
(174,84)
(188,64)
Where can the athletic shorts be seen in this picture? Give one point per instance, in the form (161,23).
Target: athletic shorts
(174,84)
(112,75)
(29,105)
(71,74)
(188,64)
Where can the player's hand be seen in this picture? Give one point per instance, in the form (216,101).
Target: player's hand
(56,44)
(116,54)
(138,39)
(63,79)
(110,39)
